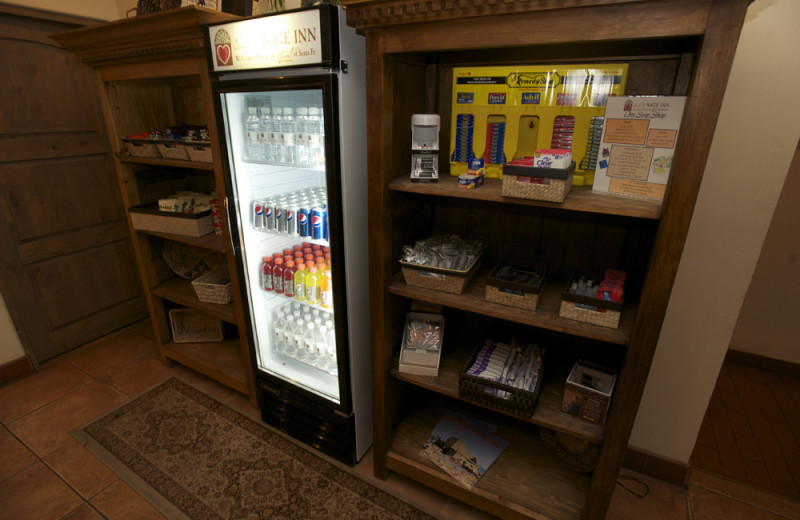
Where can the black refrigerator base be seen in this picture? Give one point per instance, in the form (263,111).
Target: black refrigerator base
(309,422)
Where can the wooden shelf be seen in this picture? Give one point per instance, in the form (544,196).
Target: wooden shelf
(221,361)
(181,292)
(579,198)
(545,317)
(548,408)
(176,163)
(209,241)
(525,481)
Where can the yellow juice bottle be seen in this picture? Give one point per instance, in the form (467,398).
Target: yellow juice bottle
(300,282)
(325,292)
(312,290)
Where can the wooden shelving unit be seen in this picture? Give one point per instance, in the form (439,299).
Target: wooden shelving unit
(153,73)
(672,47)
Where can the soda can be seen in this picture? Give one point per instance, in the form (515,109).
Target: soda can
(303,221)
(280,223)
(269,215)
(319,217)
(258,214)
(291,220)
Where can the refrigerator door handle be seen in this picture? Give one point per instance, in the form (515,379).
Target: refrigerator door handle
(228,223)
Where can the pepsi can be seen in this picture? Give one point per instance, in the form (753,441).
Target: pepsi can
(269,215)
(303,222)
(291,220)
(319,217)
(258,214)
(280,223)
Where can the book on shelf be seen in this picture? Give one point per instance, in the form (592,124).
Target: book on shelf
(464,447)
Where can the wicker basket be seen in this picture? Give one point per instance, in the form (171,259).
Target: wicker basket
(439,278)
(172,149)
(484,392)
(141,148)
(590,310)
(147,217)
(214,286)
(190,326)
(199,151)
(517,182)
(516,293)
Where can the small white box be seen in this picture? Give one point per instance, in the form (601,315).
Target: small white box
(588,391)
(552,158)
(424,330)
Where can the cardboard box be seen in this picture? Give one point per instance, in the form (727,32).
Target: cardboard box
(587,392)
(422,361)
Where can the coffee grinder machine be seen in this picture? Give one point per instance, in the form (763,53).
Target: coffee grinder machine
(425,148)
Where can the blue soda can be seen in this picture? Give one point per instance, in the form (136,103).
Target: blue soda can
(303,218)
(319,216)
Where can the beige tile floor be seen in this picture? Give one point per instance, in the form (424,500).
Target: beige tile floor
(45,474)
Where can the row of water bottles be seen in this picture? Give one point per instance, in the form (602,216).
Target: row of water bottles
(285,135)
(306,335)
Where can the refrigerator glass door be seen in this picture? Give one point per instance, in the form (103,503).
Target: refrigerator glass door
(277,158)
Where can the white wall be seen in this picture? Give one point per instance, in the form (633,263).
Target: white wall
(752,148)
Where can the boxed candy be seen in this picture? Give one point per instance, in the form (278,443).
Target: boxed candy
(422,344)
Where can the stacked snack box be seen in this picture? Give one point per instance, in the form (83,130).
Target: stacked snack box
(506,113)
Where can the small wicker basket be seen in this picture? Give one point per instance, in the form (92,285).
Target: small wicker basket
(191,326)
(516,182)
(590,310)
(214,286)
(141,148)
(524,295)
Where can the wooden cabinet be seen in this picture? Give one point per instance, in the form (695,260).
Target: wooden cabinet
(672,47)
(153,73)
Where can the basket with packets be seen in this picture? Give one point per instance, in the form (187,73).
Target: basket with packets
(504,377)
(441,262)
(593,299)
(516,283)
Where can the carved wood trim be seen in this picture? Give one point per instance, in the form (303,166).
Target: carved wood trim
(371,14)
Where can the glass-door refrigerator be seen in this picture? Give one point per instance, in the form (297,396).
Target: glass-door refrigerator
(290,100)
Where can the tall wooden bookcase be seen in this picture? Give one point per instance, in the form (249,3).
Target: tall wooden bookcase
(152,72)
(672,47)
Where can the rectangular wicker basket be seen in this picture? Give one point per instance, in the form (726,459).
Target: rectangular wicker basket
(191,326)
(590,310)
(516,294)
(172,149)
(558,182)
(497,395)
(214,286)
(439,278)
(147,217)
(141,147)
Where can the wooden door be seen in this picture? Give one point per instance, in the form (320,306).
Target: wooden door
(67,269)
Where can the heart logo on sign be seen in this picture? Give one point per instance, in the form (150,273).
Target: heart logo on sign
(223,54)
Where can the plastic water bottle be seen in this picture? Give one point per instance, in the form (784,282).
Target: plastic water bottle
(251,131)
(288,137)
(308,343)
(280,331)
(301,138)
(299,333)
(275,134)
(264,130)
(315,137)
(330,347)
(320,357)
(288,336)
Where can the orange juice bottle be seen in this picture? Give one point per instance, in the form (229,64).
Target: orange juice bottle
(300,282)
(312,290)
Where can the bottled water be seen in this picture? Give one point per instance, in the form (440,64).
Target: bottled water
(288,137)
(307,344)
(301,137)
(288,336)
(320,357)
(264,131)
(251,132)
(275,134)
(280,332)
(315,133)
(333,364)
(299,333)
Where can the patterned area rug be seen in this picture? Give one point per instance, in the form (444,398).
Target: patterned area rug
(193,457)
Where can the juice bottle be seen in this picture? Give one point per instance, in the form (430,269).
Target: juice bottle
(300,282)
(312,291)
(288,279)
(266,273)
(277,275)
(325,292)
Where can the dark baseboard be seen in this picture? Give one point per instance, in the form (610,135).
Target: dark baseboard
(763,362)
(15,369)
(657,466)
